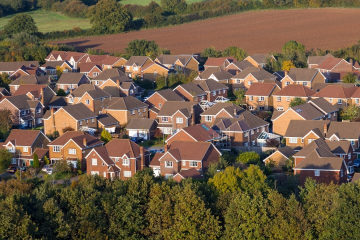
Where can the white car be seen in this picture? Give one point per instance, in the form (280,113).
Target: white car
(48,169)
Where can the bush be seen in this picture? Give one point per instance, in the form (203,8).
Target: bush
(248,158)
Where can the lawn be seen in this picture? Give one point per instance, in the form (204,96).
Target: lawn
(48,21)
(146,2)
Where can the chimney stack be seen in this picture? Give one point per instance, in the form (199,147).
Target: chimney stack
(325,129)
(84,141)
(42,96)
(193,117)
(118,83)
(165,148)
(142,158)
(235,112)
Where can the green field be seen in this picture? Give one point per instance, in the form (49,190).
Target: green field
(146,2)
(47,21)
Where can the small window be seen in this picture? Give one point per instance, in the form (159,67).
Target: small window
(193,164)
(87,101)
(339,101)
(139,110)
(168,164)
(164,119)
(127,173)
(280,108)
(224,91)
(293,140)
(251,98)
(288,99)
(261,99)
(125,162)
(38,110)
(72,151)
(305,83)
(317,173)
(184,163)
(116,159)
(278,99)
(310,140)
(287,83)
(94,161)
(356,100)
(330,100)
(179,120)
(352,142)
(132,112)
(26,149)
(56,148)
(93,120)
(208,118)
(214,93)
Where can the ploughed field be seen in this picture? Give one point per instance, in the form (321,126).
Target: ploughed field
(255,31)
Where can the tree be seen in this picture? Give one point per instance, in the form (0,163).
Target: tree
(287,65)
(297,101)
(351,113)
(239,96)
(5,80)
(210,52)
(20,23)
(109,16)
(36,162)
(46,160)
(5,159)
(248,158)
(227,181)
(349,78)
(174,6)
(61,92)
(105,136)
(143,48)
(235,52)
(5,123)
(295,52)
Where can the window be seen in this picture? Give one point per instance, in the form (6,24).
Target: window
(127,67)
(136,68)
(330,100)
(261,99)
(193,164)
(251,98)
(224,91)
(287,83)
(104,174)
(305,83)
(93,120)
(278,99)
(339,101)
(94,172)
(164,119)
(214,93)
(184,163)
(38,110)
(56,148)
(96,74)
(179,120)
(251,108)
(26,149)
(87,101)
(80,122)
(96,82)
(127,173)
(288,99)
(341,173)
(125,162)
(132,112)
(293,140)
(356,100)
(280,109)
(168,164)
(139,110)
(310,140)
(94,161)
(116,159)
(250,82)
(317,173)
(71,100)
(72,151)
(352,142)
(208,118)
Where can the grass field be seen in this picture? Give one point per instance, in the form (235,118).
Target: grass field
(146,2)
(47,21)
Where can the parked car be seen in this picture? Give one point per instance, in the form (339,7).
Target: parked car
(356,163)
(12,169)
(47,169)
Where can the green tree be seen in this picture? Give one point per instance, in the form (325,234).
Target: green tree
(46,160)
(239,96)
(227,181)
(61,92)
(295,52)
(297,101)
(349,78)
(105,136)
(351,113)
(4,80)
(20,23)
(5,159)
(36,162)
(143,48)
(210,52)
(235,52)
(5,123)
(248,158)
(174,6)
(109,16)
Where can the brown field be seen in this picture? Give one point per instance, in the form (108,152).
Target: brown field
(255,31)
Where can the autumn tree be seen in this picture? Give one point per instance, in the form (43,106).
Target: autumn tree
(248,158)
(36,162)
(287,65)
(5,123)
(295,52)
(105,136)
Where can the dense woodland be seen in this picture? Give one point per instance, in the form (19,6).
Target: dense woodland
(110,16)
(232,204)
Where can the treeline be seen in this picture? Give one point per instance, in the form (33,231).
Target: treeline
(233,204)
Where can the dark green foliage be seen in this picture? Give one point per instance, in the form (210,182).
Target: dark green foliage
(238,53)
(21,23)
(109,16)
(61,92)
(5,159)
(297,101)
(143,48)
(174,6)
(36,162)
(5,123)
(248,158)
(349,78)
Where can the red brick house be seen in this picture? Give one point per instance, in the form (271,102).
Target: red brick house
(159,98)
(181,156)
(191,92)
(71,80)
(213,89)
(251,75)
(91,70)
(28,80)
(283,98)
(259,96)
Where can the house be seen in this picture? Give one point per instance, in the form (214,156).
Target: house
(175,115)
(74,58)
(184,156)
(89,69)
(23,144)
(355,97)
(109,78)
(125,108)
(259,60)
(42,93)
(215,74)
(72,146)
(195,133)
(135,65)
(315,109)
(191,92)
(27,71)
(158,99)
(220,110)
(213,89)
(188,173)
(283,98)
(236,67)
(301,133)
(142,128)
(336,94)
(329,63)
(251,75)
(219,63)
(179,63)
(345,131)
(10,68)
(280,157)
(90,95)
(323,161)
(51,68)
(76,117)
(152,71)
(71,80)
(27,80)
(105,61)
(259,96)
(24,111)
(120,156)
(303,76)
(107,122)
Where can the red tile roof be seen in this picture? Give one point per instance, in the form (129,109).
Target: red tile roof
(336,91)
(261,89)
(296,91)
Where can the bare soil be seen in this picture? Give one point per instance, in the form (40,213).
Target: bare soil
(255,31)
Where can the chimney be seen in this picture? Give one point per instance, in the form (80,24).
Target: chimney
(53,118)
(325,129)
(235,112)
(118,83)
(165,148)
(193,117)
(84,141)
(42,96)
(142,158)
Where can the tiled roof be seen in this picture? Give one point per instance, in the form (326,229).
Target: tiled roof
(125,103)
(113,74)
(259,73)
(107,120)
(30,80)
(169,95)
(79,111)
(200,132)
(137,60)
(260,58)
(192,89)
(344,130)
(211,61)
(302,74)
(323,105)
(94,91)
(299,128)
(210,85)
(119,147)
(170,107)
(261,89)
(295,90)
(140,123)
(21,101)
(20,137)
(87,67)
(228,106)
(13,66)
(336,91)
(70,78)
